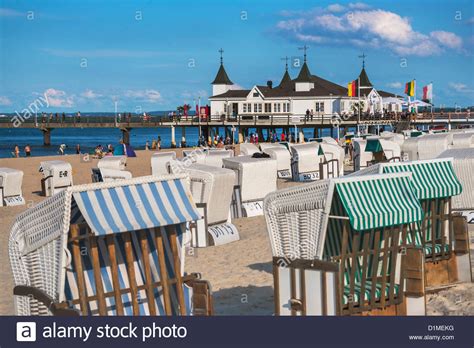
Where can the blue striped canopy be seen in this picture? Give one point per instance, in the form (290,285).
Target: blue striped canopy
(136,206)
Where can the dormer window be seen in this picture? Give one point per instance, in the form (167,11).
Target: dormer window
(255,94)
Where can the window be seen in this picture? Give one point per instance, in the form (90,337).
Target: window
(268,107)
(255,94)
(247,107)
(319,107)
(257,107)
(277,107)
(286,107)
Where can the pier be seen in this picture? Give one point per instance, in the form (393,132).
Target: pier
(241,123)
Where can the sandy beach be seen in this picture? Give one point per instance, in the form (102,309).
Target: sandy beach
(240,272)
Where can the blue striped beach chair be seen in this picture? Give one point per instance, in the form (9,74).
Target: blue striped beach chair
(339,247)
(108,249)
(435,183)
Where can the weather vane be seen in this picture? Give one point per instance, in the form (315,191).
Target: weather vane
(221,51)
(363,56)
(304,48)
(286,62)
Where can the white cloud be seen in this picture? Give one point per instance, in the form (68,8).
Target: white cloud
(336,8)
(5,101)
(395,84)
(460,87)
(6,12)
(364,27)
(147,95)
(59,98)
(447,39)
(90,94)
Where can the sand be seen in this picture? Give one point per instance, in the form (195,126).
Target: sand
(240,272)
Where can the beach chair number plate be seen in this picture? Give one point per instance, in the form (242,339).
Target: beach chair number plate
(253,208)
(12,201)
(224,234)
(309,176)
(283,174)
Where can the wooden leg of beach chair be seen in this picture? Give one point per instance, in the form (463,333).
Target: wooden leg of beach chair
(115,274)
(163,272)
(131,273)
(354,269)
(177,270)
(379,234)
(77,257)
(99,287)
(386,253)
(202,298)
(147,269)
(365,261)
(433,230)
(342,268)
(393,264)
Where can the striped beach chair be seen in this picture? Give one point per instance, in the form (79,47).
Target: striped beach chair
(108,249)
(336,246)
(435,183)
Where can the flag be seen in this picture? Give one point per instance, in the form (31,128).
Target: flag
(428,93)
(410,88)
(351,89)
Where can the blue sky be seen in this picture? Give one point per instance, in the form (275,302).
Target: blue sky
(154,55)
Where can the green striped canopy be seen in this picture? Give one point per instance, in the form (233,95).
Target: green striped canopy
(431,178)
(373,145)
(374,202)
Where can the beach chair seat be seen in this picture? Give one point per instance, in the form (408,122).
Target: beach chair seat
(283,157)
(248,149)
(160,162)
(340,247)
(254,179)
(212,190)
(111,168)
(305,160)
(57,176)
(114,257)
(10,187)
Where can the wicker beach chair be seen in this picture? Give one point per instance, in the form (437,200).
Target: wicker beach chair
(57,176)
(283,157)
(248,149)
(430,146)
(254,179)
(214,158)
(336,247)
(333,164)
(112,248)
(462,140)
(361,158)
(160,162)
(439,236)
(10,187)
(212,190)
(305,160)
(111,168)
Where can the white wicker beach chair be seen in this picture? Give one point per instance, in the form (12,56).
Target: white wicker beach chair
(266,146)
(212,190)
(248,149)
(57,176)
(283,157)
(214,158)
(361,157)
(108,249)
(462,140)
(111,168)
(336,247)
(409,149)
(255,178)
(159,162)
(333,165)
(10,187)
(305,160)
(441,236)
(430,146)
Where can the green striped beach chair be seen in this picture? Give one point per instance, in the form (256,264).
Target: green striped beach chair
(112,248)
(435,183)
(338,245)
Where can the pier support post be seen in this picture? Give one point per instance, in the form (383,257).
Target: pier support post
(46,136)
(126,135)
(173,137)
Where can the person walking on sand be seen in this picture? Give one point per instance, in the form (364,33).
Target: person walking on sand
(158,143)
(78,149)
(27,150)
(17,151)
(147,146)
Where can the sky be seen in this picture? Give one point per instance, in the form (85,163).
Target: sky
(155,55)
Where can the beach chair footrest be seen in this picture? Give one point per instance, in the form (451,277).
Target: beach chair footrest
(43,298)
(202,296)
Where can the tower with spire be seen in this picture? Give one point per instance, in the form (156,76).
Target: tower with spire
(304,81)
(286,79)
(222,82)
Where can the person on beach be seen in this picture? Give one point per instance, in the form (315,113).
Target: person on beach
(62,147)
(17,151)
(147,145)
(27,150)
(153,144)
(282,136)
(78,149)
(158,143)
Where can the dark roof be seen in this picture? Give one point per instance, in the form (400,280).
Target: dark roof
(285,81)
(384,94)
(221,77)
(364,79)
(304,75)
